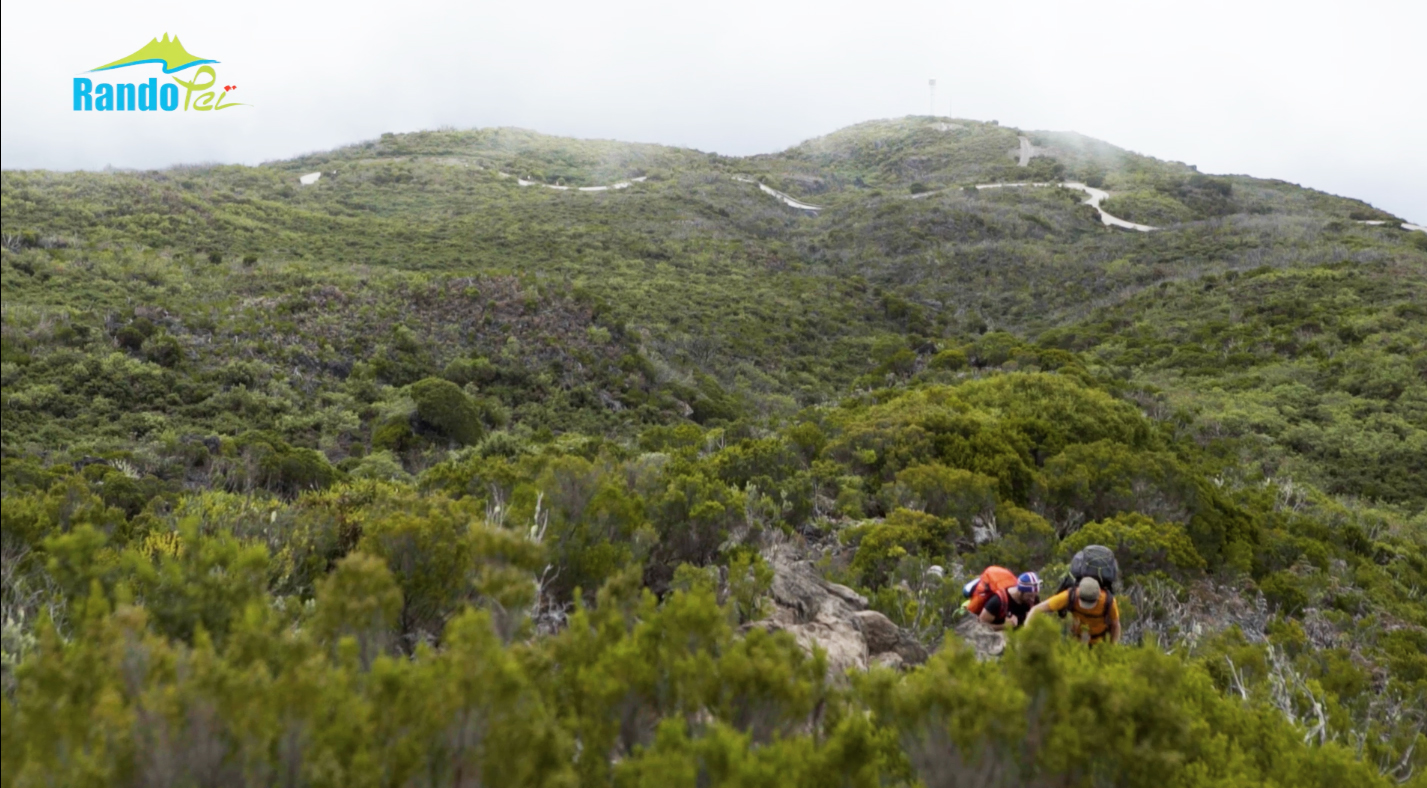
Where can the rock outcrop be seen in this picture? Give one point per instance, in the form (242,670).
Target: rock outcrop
(987,642)
(833,617)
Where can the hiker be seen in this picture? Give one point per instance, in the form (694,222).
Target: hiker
(1095,611)
(999,598)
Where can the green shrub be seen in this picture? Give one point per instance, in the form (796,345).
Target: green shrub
(501,444)
(1407,653)
(163,349)
(1027,541)
(358,599)
(205,583)
(1149,207)
(1106,478)
(465,371)
(710,402)
(294,470)
(405,360)
(809,438)
(694,513)
(1286,591)
(882,545)
(118,490)
(133,335)
(964,496)
(383,465)
(442,555)
(1141,544)
(950,360)
(274,464)
(394,435)
(444,407)
(902,361)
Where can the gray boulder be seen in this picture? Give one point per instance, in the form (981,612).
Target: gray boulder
(833,617)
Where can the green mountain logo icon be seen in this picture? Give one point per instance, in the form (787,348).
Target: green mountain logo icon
(170,54)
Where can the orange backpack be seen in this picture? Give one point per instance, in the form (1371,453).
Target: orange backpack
(995,581)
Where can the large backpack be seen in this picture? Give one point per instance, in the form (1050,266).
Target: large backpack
(1097,561)
(995,581)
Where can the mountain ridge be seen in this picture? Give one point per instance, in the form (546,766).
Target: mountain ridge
(1079,154)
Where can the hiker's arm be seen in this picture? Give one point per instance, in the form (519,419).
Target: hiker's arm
(1115,628)
(990,620)
(1041,608)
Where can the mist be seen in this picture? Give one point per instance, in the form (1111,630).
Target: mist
(1326,95)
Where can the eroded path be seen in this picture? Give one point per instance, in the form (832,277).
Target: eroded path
(1409,226)
(557,187)
(1093,199)
(789,201)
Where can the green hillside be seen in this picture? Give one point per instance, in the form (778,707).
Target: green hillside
(429,473)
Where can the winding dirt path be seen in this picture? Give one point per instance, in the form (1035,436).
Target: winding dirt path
(621,185)
(1094,198)
(1027,150)
(790,201)
(1097,196)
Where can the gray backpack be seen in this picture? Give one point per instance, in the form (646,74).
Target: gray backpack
(1097,561)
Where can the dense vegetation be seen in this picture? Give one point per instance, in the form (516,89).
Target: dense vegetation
(417,476)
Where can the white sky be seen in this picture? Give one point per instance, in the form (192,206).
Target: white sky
(1332,95)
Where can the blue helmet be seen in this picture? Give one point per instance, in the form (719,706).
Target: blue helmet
(1029,583)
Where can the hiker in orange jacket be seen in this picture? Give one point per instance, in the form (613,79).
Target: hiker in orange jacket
(1095,611)
(1000,598)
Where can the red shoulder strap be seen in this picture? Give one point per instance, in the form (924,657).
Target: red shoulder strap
(1005,597)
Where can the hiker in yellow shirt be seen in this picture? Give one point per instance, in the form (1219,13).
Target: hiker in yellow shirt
(1096,613)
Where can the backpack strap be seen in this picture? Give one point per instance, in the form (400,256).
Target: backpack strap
(1066,584)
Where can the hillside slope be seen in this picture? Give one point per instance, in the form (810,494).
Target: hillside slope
(492,463)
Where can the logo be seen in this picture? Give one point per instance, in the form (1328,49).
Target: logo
(147,96)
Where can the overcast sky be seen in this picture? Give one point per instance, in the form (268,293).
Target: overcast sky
(1329,95)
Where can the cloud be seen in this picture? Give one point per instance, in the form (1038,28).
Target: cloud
(1320,94)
